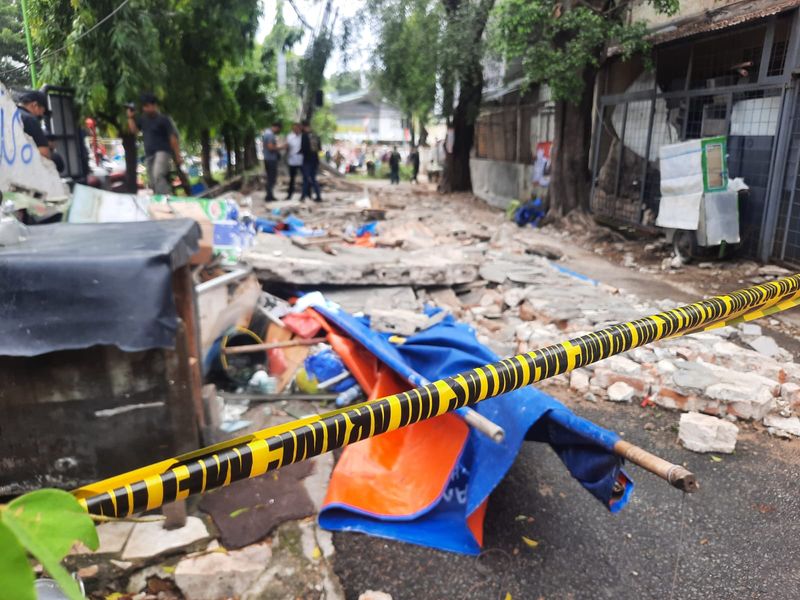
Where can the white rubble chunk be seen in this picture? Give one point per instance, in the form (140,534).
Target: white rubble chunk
(620,392)
(782,426)
(703,433)
(665,366)
(221,574)
(151,539)
(373,595)
(750,330)
(622,365)
(744,402)
(579,380)
(790,392)
(766,345)
(514,296)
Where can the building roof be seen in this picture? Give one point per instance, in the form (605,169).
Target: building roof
(722,17)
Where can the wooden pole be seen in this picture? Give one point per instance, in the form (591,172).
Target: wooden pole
(271,345)
(676,475)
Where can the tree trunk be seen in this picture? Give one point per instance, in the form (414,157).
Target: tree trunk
(238,153)
(570,177)
(456,176)
(250,156)
(205,156)
(423,135)
(131,161)
(410,121)
(228,138)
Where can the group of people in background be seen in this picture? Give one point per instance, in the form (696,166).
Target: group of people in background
(302,147)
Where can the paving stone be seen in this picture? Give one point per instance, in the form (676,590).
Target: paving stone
(220,574)
(151,539)
(702,433)
(783,426)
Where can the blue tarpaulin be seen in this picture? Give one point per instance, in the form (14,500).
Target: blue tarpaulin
(444,350)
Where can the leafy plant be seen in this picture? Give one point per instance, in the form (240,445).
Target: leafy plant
(43,524)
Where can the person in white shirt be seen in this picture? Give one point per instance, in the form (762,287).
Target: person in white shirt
(294,156)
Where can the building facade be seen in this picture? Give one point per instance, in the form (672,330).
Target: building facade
(512,123)
(364,116)
(720,69)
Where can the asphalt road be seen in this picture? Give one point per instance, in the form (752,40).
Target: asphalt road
(738,537)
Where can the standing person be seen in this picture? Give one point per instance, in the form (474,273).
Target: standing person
(294,155)
(310,150)
(394,166)
(32,107)
(413,158)
(160,142)
(272,154)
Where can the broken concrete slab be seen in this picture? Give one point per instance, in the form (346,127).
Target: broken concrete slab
(782,426)
(221,574)
(703,433)
(148,540)
(398,322)
(767,346)
(361,299)
(275,258)
(373,595)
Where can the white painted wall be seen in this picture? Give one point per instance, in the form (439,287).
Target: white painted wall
(21,165)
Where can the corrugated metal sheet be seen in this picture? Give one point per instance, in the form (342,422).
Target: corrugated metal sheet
(722,18)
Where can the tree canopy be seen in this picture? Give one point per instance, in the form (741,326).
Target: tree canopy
(13,53)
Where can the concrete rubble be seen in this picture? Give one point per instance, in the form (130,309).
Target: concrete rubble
(703,433)
(513,287)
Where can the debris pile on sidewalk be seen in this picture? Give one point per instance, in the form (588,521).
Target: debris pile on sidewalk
(508,283)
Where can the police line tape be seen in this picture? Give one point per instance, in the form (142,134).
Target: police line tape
(269,449)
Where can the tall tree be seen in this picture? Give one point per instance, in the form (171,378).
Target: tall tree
(13,53)
(564,43)
(406,55)
(203,37)
(345,82)
(462,50)
(109,65)
(312,68)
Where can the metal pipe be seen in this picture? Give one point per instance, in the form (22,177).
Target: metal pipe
(229,277)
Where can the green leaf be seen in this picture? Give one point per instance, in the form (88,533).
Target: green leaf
(716,458)
(47,523)
(15,572)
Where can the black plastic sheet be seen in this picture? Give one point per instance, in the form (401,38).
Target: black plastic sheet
(71,286)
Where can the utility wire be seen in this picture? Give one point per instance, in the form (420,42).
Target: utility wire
(68,44)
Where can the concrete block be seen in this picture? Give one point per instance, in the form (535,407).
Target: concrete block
(783,426)
(220,574)
(151,539)
(702,433)
(620,392)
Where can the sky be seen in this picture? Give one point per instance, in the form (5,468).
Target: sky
(358,54)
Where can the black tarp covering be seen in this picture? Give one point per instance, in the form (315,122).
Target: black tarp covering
(71,286)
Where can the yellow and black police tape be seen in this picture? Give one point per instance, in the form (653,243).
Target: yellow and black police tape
(275,447)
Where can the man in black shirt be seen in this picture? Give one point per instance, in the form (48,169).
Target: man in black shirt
(160,142)
(33,106)
(394,166)
(309,147)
